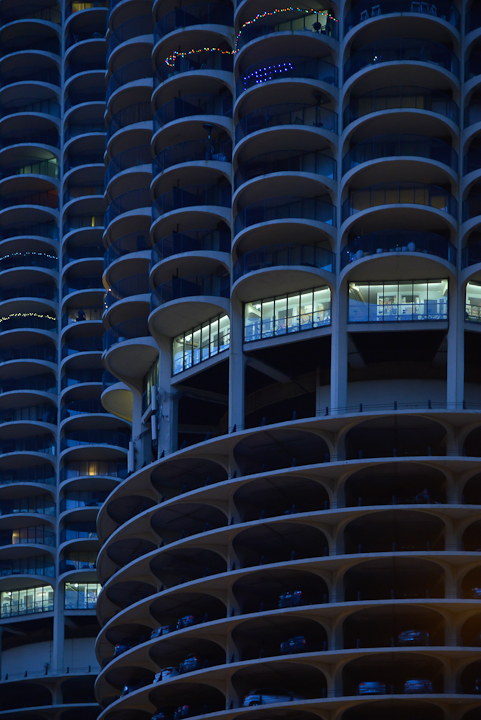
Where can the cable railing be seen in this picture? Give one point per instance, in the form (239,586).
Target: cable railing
(191,196)
(125,288)
(282,208)
(201,60)
(286,161)
(196,14)
(127,330)
(216,240)
(285,254)
(135,27)
(400,49)
(130,115)
(194,285)
(364,10)
(400,145)
(125,245)
(192,105)
(401,97)
(317,23)
(398,241)
(132,157)
(287,66)
(216,150)
(399,193)
(137,70)
(129,201)
(286,114)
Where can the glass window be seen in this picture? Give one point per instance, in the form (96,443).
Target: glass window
(26,601)
(473,302)
(287,314)
(398,301)
(200,343)
(81,596)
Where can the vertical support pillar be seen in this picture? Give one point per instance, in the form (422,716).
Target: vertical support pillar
(237,366)
(455,339)
(339,351)
(58,659)
(167,402)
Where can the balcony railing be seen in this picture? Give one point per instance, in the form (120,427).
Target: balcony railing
(286,161)
(194,285)
(37,565)
(42,474)
(291,254)
(472,207)
(89,533)
(83,376)
(125,245)
(95,437)
(82,252)
(401,50)
(19,43)
(31,320)
(191,242)
(201,60)
(44,230)
(30,74)
(135,27)
(133,200)
(78,222)
(36,413)
(473,18)
(193,151)
(29,259)
(100,468)
(44,382)
(365,10)
(140,112)
(36,535)
(76,6)
(82,283)
(78,37)
(30,135)
(287,67)
(471,255)
(472,160)
(191,196)
(316,208)
(28,105)
(318,23)
(472,66)
(400,145)
(82,407)
(35,290)
(44,199)
(399,193)
(127,330)
(84,158)
(91,95)
(37,443)
(472,114)
(197,14)
(192,105)
(398,241)
(137,70)
(82,344)
(286,114)
(32,166)
(90,64)
(28,352)
(31,12)
(127,287)
(133,157)
(401,97)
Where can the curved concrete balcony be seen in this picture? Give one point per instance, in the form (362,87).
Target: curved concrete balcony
(321,24)
(85,223)
(399,193)
(285,114)
(138,114)
(401,97)
(99,437)
(135,287)
(180,303)
(139,157)
(192,106)
(398,241)
(133,246)
(196,242)
(444,10)
(28,253)
(116,397)
(129,349)
(199,60)
(42,69)
(216,150)
(134,28)
(195,14)
(208,198)
(30,315)
(85,9)
(135,201)
(400,145)
(398,50)
(285,161)
(30,34)
(47,107)
(278,68)
(138,70)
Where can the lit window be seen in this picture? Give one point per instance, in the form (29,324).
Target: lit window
(403,301)
(26,601)
(287,314)
(201,343)
(473,302)
(81,596)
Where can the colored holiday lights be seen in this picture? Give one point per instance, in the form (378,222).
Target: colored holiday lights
(170,60)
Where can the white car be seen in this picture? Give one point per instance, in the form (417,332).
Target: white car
(165,674)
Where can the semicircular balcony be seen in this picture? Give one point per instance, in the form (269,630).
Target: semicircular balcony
(32,68)
(191,15)
(134,28)
(132,204)
(187,247)
(405,98)
(423,195)
(217,62)
(125,297)
(81,90)
(182,302)
(130,248)
(286,67)
(30,34)
(138,71)
(130,116)
(279,268)
(445,11)
(84,26)
(88,444)
(399,145)
(129,348)
(138,159)
(28,314)
(380,242)
(217,148)
(409,53)
(194,201)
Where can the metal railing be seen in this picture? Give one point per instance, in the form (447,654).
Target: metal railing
(400,145)
(191,105)
(281,208)
(125,245)
(286,114)
(398,193)
(443,9)
(193,151)
(292,254)
(286,161)
(127,287)
(398,241)
(190,242)
(127,330)
(190,196)
(287,66)
(194,285)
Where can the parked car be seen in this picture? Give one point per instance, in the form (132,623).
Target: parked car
(185,621)
(182,711)
(373,687)
(291,598)
(413,637)
(159,716)
(190,663)
(121,648)
(418,686)
(162,630)
(477,686)
(293,645)
(165,674)
(264,696)
(134,686)
(476,593)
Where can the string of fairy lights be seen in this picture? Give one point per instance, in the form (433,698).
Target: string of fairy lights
(177,54)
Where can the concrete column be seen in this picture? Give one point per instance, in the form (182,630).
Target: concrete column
(167,401)
(237,365)
(59,629)
(339,351)
(455,359)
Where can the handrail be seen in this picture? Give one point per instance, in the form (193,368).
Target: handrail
(190,196)
(399,145)
(205,285)
(286,161)
(364,10)
(398,241)
(216,150)
(217,240)
(127,287)
(191,105)
(286,114)
(200,60)
(287,67)
(127,330)
(131,243)
(398,193)
(281,208)
(290,254)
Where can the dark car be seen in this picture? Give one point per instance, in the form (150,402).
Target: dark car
(182,711)
(190,663)
(265,696)
(185,621)
(476,593)
(413,637)
(417,685)
(159,716)
(134,686)
(294,645)
(121,648)
(162,630)
(373,687)
(292,598)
